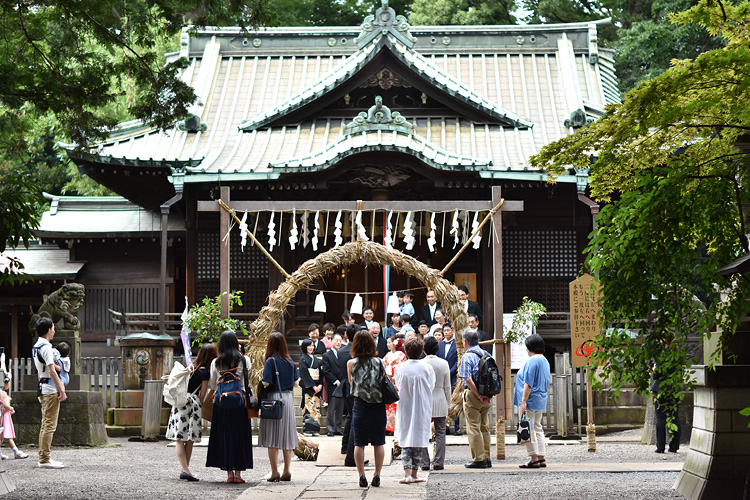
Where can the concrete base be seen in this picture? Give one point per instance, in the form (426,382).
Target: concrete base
(718,462)
(81,420)
(77,383)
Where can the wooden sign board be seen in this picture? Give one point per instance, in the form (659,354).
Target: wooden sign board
(584,318)
(470,281)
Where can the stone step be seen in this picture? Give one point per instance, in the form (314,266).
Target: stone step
(132,416)
(634,415)
(129,399)
(627,397)
(129,430)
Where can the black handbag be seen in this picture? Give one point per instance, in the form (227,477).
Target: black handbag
(523,431)
(390,394)
(272,409)
(252,401)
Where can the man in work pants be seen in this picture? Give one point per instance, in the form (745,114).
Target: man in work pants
(51,391)
(476,406)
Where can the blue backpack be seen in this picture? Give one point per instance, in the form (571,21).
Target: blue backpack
(230,390)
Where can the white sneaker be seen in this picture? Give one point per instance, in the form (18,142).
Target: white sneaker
(52,464)
(21,454)
(3,456)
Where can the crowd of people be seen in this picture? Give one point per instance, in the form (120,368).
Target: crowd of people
(344,369)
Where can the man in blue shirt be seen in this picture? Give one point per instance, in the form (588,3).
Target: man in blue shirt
(476,406)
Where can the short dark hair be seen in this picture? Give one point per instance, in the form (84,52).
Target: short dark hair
(463,288)
(349,331)
(535,343)
(405,318)
(423,322)
(312,327)
(63,348)
(304,344)
(471,338)
(346,316)
(430,345)
(366,308)
(43,326)
(414,348)
(329,326)
(337,334)
(448,324)
(473,316)
(410,295)
(400,294)
(363,345)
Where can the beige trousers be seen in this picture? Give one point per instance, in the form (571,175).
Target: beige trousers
(50,411)
(477,426)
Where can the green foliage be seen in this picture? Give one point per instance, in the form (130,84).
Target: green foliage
(527,313)
(745,413)
(462,12)
(19,206)
(205,319)
(670,163)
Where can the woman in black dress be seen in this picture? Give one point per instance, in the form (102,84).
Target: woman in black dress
(230,446)
(309,376)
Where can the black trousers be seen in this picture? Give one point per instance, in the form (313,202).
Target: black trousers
(347,441)
(662,413)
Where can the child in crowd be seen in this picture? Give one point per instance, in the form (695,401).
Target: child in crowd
(408,308)
(62,361)
(405,319)
(6,421)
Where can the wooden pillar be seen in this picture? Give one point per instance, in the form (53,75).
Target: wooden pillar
(191,246)
(13,332)
(502,352)
(224,254)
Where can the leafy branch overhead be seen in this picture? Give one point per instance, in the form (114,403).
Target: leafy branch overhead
(207,324)
(671,165)
(74,58)
(527,314)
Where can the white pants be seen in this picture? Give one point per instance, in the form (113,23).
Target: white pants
(537,445)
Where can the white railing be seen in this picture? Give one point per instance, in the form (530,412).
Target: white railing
(104,374)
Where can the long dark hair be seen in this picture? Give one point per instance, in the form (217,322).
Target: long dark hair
(206,354)
(363,345)
(276,347)
(229,351)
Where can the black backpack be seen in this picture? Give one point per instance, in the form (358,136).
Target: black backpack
(488,379)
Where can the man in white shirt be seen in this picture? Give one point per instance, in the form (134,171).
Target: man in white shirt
(51,391)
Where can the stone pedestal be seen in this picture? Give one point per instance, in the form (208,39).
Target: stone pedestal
(81,420)
(718,462)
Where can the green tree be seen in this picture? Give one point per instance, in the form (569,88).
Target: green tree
(671,166)
(462,12)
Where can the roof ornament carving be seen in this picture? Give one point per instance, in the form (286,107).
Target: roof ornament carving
(383,22)
(379,117)
(192,124)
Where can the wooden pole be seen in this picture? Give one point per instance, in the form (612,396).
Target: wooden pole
(591,427)
(502,408)
(224,255)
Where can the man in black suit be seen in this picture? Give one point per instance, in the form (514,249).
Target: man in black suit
(427,313)
(313,331)
(474,326)
(470,306)
(369,314)
(347,441)
(334,378)
(448,351)
(380,342)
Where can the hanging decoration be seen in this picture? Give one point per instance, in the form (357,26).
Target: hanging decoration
(393,307)
(243,231)
(338,240)
(356,307)
(409,231)
(388,238)
(454,228)
(305,228)
(293,233)
(361,233)
(474,225)
(431,240)
(465,226)
(271,232)
(320,303)
(315,231)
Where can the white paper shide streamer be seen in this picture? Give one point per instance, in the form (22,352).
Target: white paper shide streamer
(315,232)
(338,240)
(431,241)
(409,231)
(360,228)
(305,228)
(388,238)
(454,228)
(293,233)
(243,232)
(474,225)
(271,232)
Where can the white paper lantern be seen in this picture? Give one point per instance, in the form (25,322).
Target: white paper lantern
(356,307)
(393,307)
(320,303)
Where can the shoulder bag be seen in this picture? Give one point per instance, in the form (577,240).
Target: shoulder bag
(272,409)
(253,405)
(390,394)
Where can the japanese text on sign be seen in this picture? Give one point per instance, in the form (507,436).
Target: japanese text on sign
(584,318)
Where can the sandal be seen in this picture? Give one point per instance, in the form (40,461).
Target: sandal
(541,463)
(529,465)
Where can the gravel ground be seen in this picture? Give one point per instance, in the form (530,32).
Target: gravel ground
(135,470)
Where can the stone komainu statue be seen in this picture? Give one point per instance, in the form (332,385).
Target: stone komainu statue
(63,304)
